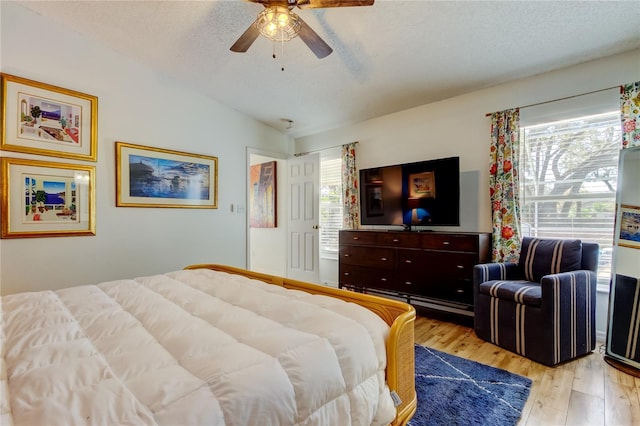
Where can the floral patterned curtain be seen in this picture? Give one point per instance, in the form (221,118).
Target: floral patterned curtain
(350,203)
(630,114)
(503,185)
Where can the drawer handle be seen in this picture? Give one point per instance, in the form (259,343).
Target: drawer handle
(459,291)
(346,273)
(407,261)
(347,255)
(408,282)
(383,258)
(460,266)
(395,240)
(446,243)
(383,279)
(356,238)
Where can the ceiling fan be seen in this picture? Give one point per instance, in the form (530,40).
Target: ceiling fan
(277,22)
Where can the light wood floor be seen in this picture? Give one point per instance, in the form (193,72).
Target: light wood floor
(585,391)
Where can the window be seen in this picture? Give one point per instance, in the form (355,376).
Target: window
(568,179)
(330,203)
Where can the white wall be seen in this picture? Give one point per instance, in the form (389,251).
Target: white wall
(459,127)
(136,105)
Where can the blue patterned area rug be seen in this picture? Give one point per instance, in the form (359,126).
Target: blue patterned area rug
(456,391)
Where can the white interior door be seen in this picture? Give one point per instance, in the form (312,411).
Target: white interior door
(303,227)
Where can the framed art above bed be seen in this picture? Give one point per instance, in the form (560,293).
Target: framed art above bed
(39,118)
(156,177)
(46,199)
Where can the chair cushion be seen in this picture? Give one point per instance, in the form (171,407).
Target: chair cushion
(540,257)
(520,291)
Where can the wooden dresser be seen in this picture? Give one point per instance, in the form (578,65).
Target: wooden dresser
(429,269)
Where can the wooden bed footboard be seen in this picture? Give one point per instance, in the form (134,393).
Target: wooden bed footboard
(398,315)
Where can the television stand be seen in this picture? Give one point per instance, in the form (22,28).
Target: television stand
(432,270)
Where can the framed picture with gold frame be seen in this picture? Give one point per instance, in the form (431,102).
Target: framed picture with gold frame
(46,199)
(39,118)
(156,177)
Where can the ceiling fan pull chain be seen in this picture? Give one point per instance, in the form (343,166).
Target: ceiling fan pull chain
(282,54)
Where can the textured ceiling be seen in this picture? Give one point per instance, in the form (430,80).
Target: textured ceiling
(388,57)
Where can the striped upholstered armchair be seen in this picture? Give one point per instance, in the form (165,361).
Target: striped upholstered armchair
(543,307)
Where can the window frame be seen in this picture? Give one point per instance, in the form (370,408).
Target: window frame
(603,220)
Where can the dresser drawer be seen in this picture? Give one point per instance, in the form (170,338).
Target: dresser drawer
(374,257)
(358,237)
(450,291)
(450,266)
(409,283)
(422,271)
(451,242)
(414,262)
(399,239)
(366,277)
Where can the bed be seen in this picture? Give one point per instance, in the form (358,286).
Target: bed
(209,344)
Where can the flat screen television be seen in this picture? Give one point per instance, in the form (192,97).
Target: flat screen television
(424,193)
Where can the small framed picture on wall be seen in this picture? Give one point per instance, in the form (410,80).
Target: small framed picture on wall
(629,226)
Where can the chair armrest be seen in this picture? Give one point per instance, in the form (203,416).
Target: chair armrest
(495,271)
(584,281)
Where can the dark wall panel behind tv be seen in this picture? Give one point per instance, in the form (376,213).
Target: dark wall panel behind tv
(421,193)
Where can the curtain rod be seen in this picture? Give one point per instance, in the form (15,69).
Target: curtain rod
(300,154)
(562,99)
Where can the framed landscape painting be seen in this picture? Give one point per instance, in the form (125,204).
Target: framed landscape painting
(155,177)
(46,199)
(39,118)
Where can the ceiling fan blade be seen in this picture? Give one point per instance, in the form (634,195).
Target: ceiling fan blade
(246,39)
(313,41)
(317,4)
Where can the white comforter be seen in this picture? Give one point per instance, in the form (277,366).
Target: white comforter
(190,347)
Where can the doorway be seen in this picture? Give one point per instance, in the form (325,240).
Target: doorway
(266,246)
(291,248)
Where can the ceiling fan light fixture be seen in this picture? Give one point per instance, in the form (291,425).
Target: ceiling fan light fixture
(278,23)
